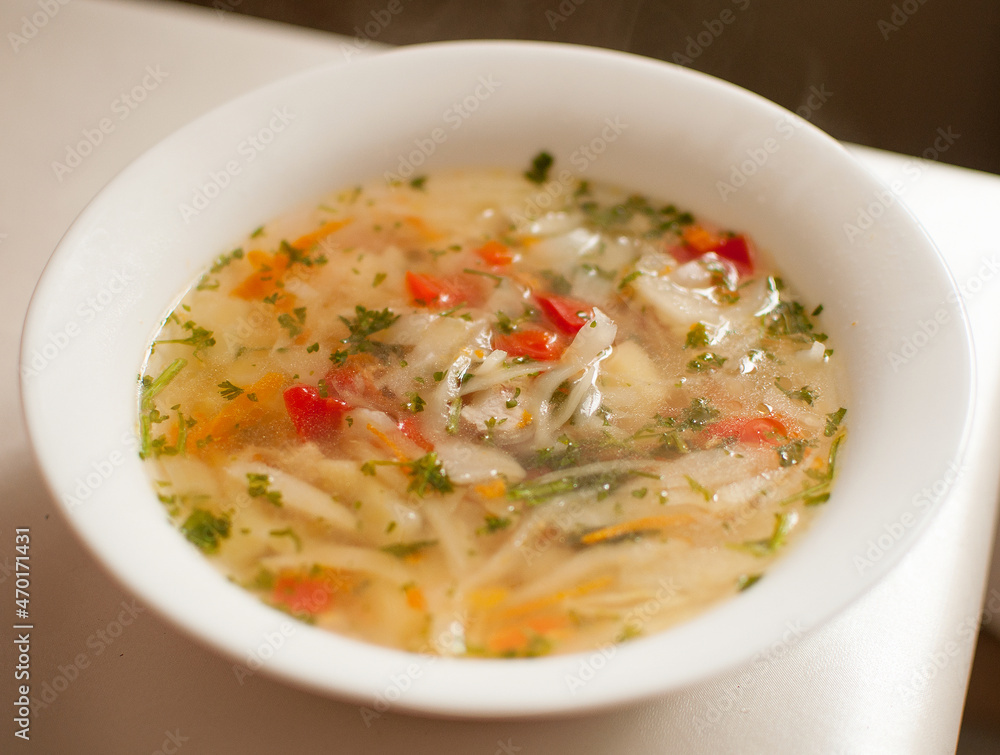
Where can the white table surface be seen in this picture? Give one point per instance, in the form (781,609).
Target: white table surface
(887,676)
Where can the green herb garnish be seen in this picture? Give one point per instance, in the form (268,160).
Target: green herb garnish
(229,391)
(426,473)
(540,166)
(258,487)
(206,530)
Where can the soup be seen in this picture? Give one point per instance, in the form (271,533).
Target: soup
(485,413)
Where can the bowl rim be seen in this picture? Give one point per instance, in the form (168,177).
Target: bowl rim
(437,703)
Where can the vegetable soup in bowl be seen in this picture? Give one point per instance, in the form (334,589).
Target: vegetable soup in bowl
(544,378)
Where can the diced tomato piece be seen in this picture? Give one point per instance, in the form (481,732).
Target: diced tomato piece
(698,241)
(566,313)
(314,417)
(302,594)
(494,253)
(736,250)
(408,426)
(534,343)
(442,293)
(760,430)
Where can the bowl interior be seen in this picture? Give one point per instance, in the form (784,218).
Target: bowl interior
(890,306)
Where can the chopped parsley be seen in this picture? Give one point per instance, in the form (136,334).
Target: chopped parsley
(602,483)
(200,338)
(805,393)
(365,323)
(288,532)
(417,182)
(792,452)
(493,524)
(426,473)
(402,550)
(697,337)
(833,422)
(540,167)
(224,259)
(783,524)
(299,257)
(206,530)
(258,486)
(229,391)
(707,362)
(293,325)
(415,404)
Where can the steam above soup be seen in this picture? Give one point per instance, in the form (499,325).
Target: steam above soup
(475,416)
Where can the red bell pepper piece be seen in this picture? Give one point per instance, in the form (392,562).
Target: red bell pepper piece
(566,313)
(302,594)
(534,343)
(736,250)
(759,430)
(442,293)
(314,417)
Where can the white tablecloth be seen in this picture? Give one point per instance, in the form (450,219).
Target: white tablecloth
(887,676)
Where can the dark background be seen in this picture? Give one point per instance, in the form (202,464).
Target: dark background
(929,64)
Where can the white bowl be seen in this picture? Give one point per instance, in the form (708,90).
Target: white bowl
(891,311)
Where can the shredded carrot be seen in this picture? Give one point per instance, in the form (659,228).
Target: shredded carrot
(664,521)
(269,268)
(508,640)
(420,225)
(548,623)
(400,456)
(517,638)
(240,411)
(535,605)
(495,253)
(309,240)
(415,598)
(699,239)
(493,489)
